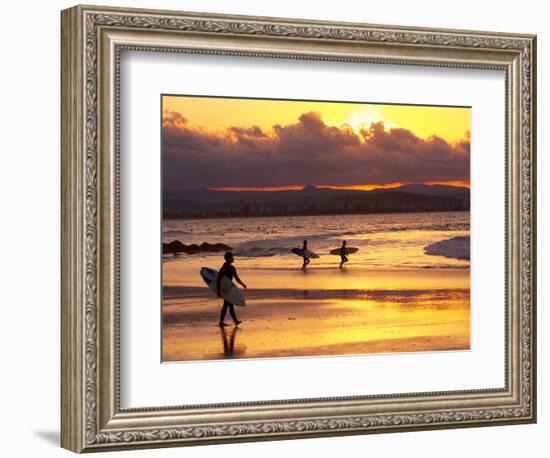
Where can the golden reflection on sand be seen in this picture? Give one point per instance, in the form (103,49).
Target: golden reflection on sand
(330,321)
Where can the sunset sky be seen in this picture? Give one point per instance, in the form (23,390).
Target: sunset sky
(226,143)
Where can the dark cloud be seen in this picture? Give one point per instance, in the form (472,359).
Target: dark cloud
(253,131)
(307,152)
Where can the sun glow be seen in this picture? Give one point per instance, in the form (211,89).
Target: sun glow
(211,114)
(366,187)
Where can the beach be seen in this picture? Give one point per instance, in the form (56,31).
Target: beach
(391,297)
(317,322)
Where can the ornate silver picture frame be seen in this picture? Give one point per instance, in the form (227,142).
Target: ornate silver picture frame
(93,39)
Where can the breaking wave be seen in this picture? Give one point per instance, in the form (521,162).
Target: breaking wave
(175,233)
(457,248)
(260,251)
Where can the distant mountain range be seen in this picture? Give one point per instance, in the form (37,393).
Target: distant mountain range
(312,200)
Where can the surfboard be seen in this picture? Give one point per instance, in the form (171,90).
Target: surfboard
(348,250)
(300,252)
(229,291)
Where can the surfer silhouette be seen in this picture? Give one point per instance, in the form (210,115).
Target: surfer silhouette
(230,272)
(343,257)
(305,256)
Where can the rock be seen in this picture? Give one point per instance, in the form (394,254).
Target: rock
(176,246)
(173,247)
(213,248)
(191,249)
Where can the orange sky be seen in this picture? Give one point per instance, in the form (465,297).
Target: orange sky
(359,187)
(216,116)
(214,113)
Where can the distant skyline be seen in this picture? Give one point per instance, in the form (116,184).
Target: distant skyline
(255,144)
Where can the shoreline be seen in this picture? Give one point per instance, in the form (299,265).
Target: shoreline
(317,278)
(186,292)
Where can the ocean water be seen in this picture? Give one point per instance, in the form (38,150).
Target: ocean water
(385,241)
(391,297)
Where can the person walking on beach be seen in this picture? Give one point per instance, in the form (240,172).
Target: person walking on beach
(343,257)
(305,255)
(229,271)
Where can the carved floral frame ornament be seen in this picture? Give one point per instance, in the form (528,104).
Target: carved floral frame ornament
(92,40)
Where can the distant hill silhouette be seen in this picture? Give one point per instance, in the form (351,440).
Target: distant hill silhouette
(311,200)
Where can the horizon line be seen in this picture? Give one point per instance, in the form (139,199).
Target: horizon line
(361,187)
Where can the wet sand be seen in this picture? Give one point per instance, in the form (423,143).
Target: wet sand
(320,313)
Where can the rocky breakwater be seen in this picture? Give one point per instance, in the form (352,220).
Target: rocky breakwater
(176,247)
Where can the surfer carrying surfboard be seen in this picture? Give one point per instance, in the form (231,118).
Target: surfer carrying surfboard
(305,253)
(229,271)
(343,257)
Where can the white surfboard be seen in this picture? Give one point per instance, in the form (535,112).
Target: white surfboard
(228,289)
(300,252)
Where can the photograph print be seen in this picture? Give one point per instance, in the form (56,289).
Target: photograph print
(301,228)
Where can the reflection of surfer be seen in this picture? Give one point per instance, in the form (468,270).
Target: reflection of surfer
(229,344)
(229,271)
(343,257)
(305,256)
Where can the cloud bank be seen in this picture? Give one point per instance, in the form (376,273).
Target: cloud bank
(307,152)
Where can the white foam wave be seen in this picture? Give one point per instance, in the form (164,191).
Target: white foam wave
(457,247)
